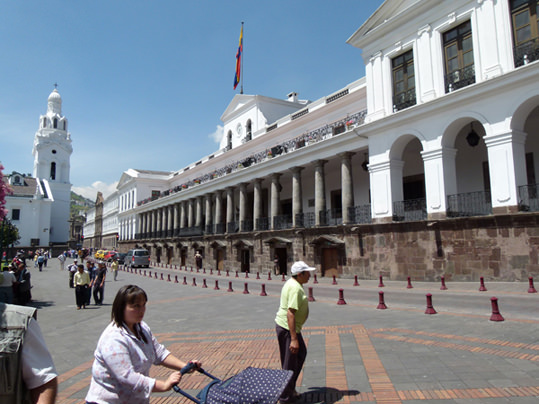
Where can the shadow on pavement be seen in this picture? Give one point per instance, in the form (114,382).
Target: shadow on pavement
(326,395)
(38,304)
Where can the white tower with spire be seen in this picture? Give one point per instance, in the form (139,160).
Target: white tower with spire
(52,151)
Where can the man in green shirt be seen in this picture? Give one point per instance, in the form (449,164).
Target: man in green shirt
(292,314)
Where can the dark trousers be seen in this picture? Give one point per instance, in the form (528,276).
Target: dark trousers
(99,292)
(289,361)
(81,295)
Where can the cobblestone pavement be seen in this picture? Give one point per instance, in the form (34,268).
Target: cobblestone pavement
(356,352)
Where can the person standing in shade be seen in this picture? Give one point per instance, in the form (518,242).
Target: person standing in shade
(81,282)
(292,314)
(72,269)
(198,260)
(99,283)
(92,270)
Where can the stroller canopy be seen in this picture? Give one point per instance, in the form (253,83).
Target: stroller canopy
(251,386)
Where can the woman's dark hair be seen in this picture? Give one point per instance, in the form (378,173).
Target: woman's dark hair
(127,294)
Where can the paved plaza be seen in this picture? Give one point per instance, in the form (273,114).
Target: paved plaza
(356,352)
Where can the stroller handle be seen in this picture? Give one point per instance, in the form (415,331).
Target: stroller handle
(190,366)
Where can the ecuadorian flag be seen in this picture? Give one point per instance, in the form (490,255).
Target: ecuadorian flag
(238,60)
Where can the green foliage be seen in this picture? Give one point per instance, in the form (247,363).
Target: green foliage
(9,234)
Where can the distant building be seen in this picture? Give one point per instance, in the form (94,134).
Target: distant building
(40,204)
(425,167)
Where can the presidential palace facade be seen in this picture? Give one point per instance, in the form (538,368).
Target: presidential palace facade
(424,167)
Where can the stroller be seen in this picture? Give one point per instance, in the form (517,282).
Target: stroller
(250,386)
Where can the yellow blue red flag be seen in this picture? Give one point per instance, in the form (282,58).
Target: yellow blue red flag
(238,60)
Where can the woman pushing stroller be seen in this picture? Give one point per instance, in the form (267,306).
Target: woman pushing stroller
(125,352)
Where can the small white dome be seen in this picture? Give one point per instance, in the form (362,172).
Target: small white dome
(55,96)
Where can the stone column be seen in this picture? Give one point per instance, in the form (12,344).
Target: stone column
(507,168)
(198,221)
(347,186)
(209,219)
(170,221)
(386,187)
(257,202)
(158,222)
(183,215)
(176,220)
(229,208)
(440,179)
(297,194)
(154,227)
(190,213)
(275,198)
(319,190)
(243,204)
(218,209)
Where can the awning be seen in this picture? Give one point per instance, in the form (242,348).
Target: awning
(278,240)
(243,243)
(218,244)
(327,240)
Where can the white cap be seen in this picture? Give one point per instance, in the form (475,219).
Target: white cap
(300,266)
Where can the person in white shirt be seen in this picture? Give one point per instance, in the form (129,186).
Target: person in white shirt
(7,280)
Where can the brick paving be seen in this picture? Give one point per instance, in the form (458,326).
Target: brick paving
(356,353)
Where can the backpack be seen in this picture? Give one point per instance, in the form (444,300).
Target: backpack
(40,259)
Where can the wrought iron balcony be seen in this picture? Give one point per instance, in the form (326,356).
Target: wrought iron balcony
(282,222)
(191,231)
(262,223)
(246,225)
(526,52)
(469,204)
(360,214)
(410,210)
(528,198)
(460,78)
(404,100)
(219,228)
(232,227)
(331,217)
(305,220)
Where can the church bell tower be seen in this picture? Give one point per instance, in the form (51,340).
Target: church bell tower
(52,152)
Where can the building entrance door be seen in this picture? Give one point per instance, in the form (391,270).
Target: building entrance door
(183,257)
(282,260)
(330,261)
(220,260)
(245,261)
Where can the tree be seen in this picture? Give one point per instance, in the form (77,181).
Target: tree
(4,190)
(9,234)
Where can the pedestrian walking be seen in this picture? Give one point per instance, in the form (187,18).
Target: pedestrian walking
(92,270)
(125,352)
(114,268)
(72,269)
(62,260)
(81,282)
(40,262)
(292,314)
(99,283)
(7,280)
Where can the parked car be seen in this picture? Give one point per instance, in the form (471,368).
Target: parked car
(137,258)
(120,257)
(109,255)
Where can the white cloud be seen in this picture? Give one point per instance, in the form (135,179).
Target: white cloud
(217,135)
(90,192)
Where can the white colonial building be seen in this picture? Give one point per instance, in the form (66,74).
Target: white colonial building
(424,167)
(40,204)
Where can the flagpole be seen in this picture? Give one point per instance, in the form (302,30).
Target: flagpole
(241,61)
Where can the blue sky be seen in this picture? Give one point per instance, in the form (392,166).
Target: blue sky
(144,83)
